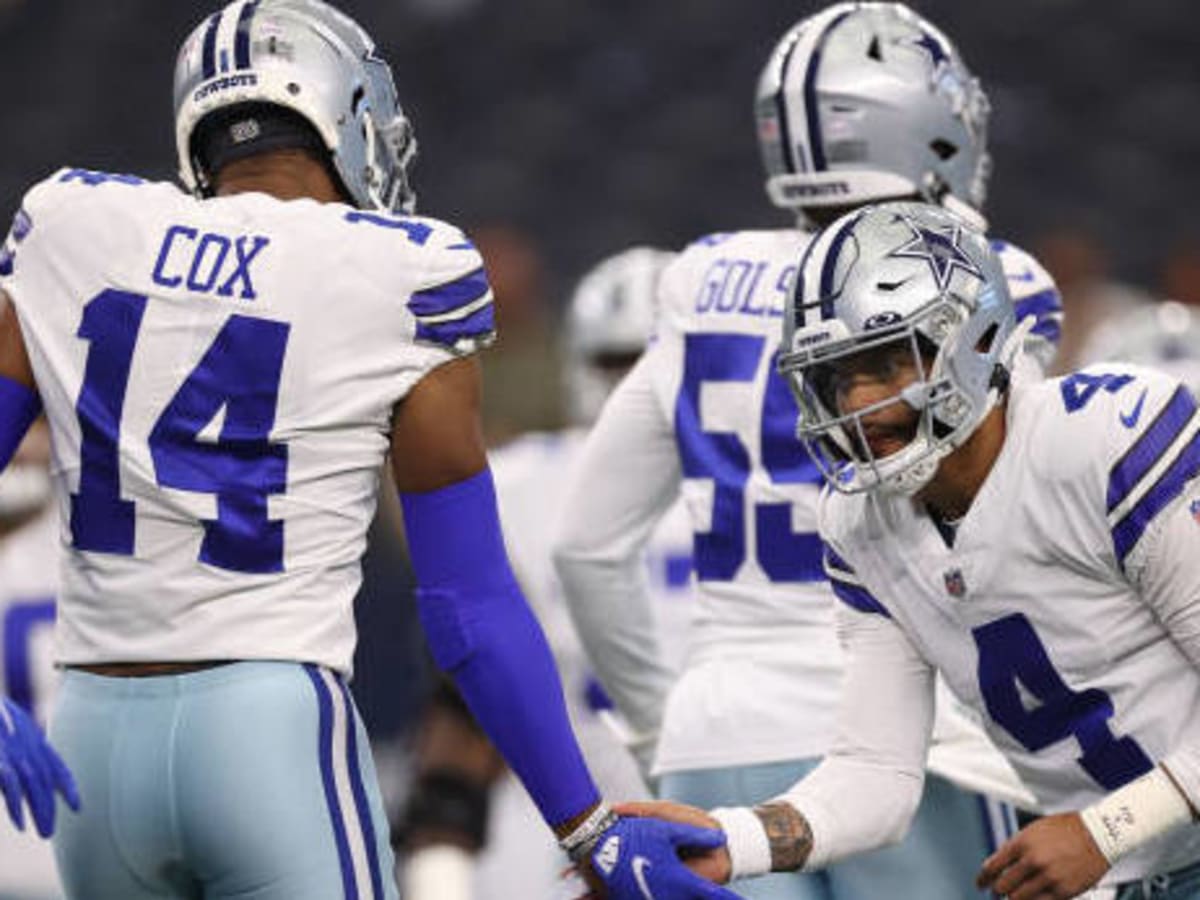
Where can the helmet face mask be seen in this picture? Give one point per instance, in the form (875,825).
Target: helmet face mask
(868,101)
(913,281)
(307,57)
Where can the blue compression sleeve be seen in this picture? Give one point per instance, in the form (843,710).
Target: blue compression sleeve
(483,633)
(19,406)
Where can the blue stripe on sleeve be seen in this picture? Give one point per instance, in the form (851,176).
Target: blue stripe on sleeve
(480,322)
(857,597)
(1039,304)
(833,561)
(1146,451)
(325,751)
(7,259)
(1130,529)
(360,794)
(444,298)
(1050,329)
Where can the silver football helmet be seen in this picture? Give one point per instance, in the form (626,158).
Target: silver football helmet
(610,318)
(869,101)
(310,58)
(913,277)
(1164,336)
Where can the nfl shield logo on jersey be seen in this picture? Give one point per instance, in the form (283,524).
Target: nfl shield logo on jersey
(955,585)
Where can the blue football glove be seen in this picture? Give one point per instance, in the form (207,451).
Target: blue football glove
(30,770)
(638,859)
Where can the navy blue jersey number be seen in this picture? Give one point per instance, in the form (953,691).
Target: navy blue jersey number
(1011,657)
(240,373)
(723,457)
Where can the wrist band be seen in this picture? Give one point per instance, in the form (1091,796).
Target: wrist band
(579,842)
(746,840)
(1132,815)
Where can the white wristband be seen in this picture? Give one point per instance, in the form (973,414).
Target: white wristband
(1132,815)
(439,872)
(746,840)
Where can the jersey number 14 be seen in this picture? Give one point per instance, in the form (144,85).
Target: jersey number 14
(239,373)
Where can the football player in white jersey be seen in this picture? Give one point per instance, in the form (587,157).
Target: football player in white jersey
(28,579)
(858,102)
(1033,541)
(608,321)
(1165,336)
(223,374)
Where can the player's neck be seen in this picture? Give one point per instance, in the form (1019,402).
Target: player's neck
(285,174)
(962,473)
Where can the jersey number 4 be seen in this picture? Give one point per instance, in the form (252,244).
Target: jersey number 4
(238,374)
(725,458)
(1012,657)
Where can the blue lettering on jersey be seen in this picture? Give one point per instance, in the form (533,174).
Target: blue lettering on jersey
(93,178)
(239,373)
(724,458)
(731,286)
(206,260)
(418,232)
(21,226)
(1011,655)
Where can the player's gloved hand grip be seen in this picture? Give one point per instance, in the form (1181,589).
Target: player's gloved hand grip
(30,770)
(639,859)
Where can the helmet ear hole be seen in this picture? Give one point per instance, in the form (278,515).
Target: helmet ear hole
(984,344)
(943,148)
(873,51)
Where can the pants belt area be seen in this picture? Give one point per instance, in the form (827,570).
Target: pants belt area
(150,669)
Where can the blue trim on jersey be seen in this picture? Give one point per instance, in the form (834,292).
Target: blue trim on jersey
(1140,458)
(1131,528)
(816,146)
(1040,304)
(834,561)
(445,298)
(7,258)
(21,226)
(325,751)
(481,322)
(209,54)
(1050,329)
(359,792)
(241,41)
(858,597)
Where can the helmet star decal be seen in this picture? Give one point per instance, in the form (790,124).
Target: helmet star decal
(939,247)
(931,45)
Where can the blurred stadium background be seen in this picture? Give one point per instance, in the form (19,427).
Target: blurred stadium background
(558,132)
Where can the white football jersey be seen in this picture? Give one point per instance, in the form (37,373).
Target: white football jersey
(28,585)
(219,376)
(1067,610)
(758,555)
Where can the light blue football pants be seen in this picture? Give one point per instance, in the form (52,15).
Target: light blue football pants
(252,780)
(952,833)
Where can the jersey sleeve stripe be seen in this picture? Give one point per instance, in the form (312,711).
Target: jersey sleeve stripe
(1154,442)
(1049,327)
(857,597)
(448,297)
(836,567)
(1040,304)
(1183,469)
(479,324)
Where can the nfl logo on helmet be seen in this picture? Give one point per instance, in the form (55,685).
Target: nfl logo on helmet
(955,585)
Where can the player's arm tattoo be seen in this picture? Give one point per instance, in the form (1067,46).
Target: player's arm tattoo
(788,834)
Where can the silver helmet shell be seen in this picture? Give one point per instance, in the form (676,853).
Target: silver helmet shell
(611,314)
(898,273)
(869,101)
(308,57)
